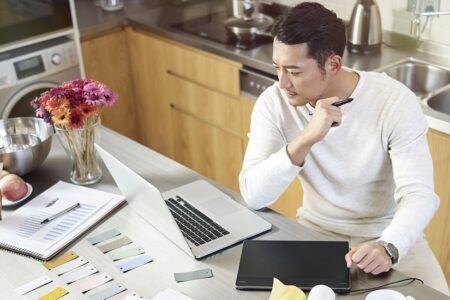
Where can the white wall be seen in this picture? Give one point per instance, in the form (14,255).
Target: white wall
(394,17)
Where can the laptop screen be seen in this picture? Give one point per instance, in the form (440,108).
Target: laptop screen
(300,263)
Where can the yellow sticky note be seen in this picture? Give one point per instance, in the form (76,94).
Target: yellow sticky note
(53,263)
(55,294)
(285,292)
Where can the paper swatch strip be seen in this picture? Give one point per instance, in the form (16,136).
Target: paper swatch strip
(129,295)
(55,294)
(199,274)
(70,265)
(124,253)
(53,263)
(79,273)
(113,289)
(32,285)
(134,263)
(106,235)
(89,283)
(114,244)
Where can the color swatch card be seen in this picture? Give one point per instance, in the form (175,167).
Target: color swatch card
(55,218)
(32,285)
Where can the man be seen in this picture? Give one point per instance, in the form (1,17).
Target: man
(365,167)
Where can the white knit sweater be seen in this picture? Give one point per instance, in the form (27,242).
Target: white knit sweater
(372,176)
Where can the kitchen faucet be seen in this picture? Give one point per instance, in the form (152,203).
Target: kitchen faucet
(427,8)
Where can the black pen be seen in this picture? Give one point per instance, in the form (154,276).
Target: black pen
(60,213)
(342,102)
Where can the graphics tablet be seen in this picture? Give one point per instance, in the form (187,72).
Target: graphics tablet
(300,263)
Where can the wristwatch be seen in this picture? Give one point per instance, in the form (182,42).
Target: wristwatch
(390,249)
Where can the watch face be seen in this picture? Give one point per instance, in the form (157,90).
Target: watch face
(393,252)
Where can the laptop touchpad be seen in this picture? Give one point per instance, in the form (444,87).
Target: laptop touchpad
(219,207)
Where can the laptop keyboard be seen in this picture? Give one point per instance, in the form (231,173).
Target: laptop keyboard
(195,226)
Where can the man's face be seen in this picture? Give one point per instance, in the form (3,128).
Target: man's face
(299,75)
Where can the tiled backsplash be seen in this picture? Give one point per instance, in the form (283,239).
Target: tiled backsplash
(394,17)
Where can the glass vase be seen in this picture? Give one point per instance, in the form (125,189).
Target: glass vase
(79,145)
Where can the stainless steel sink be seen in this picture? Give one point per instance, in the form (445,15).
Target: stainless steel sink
(440,101)
(421,77)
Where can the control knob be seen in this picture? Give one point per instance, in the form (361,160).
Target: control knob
(56,59)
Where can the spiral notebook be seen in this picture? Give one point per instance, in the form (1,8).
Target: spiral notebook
(76,209)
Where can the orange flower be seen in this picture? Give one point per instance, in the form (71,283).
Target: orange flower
(76,119)
(61,119)
(89,110)
(55,105)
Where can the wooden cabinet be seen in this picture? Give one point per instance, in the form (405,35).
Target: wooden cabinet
(438,232)
(150,81)
(205,113)
(106,59)
(214,72)
(206,148)
(291,199)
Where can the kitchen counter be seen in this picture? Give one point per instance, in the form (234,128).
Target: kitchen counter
(158,17)
(93,21)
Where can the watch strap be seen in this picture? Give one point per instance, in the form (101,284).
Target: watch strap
(389,251)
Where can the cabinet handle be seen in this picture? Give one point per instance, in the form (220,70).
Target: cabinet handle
(198,118)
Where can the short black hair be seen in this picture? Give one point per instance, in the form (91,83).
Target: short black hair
(313,24)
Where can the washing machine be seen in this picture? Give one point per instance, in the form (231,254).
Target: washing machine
(28,71)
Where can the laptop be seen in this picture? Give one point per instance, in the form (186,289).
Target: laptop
(304,264)
(197,217)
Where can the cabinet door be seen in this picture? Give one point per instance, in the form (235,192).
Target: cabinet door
(206,148)
(149,78)
(106,59)
(438,232)
(291,199)
(211,71)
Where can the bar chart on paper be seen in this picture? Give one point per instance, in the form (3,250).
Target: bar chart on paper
(33,224)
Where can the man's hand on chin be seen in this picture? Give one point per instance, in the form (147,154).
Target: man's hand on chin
(371,258)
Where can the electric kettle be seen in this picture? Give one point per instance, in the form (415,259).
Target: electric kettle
(364,31)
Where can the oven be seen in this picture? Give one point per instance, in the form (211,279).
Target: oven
(28,71)
(253,82)
(24,19)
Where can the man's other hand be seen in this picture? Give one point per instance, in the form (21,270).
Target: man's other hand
(371,258)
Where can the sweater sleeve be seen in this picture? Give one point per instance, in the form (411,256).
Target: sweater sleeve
(413,175)
(267,169)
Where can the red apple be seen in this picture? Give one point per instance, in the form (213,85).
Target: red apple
(13,187)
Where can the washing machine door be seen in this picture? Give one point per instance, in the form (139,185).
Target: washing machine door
(18,105)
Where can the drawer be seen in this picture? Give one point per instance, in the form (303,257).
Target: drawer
(203,68)
(207,105)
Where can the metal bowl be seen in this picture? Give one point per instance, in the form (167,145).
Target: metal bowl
(24,143)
